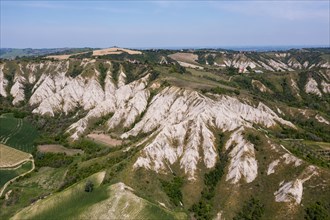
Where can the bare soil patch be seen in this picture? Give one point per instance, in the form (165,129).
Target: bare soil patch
(185,57)
(55,148)
(188,65)
(105,139)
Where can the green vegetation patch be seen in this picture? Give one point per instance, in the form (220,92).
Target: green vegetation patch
(307,153)
(52,160)
(8,174)
(317,211)
(173,189)
(69,203)
(17,133)
(252,210)
(203,209)
(70,207)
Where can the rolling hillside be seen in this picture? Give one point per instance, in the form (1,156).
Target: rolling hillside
(189,141)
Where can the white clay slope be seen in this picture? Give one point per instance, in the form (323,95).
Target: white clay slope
(292,191)
(182,121)
(243,162)
(3,82)
(126,102)
(325,87)
(17,90)
(312,87)
(61,93)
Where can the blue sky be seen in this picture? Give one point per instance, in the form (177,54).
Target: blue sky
(48,24)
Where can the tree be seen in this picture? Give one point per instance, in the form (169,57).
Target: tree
(316,211)
(252,209)
(210,60)
(89,186)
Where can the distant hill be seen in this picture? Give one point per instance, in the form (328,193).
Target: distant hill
(12,53)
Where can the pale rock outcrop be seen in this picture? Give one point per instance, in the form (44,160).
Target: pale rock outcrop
(32,69)
(243,163)
(181,122)
(289,158)
(103,108)
(260,86)
(286,158)
(271,167)
(241,62)
(127,103)
(121,78)
(44,88)
(306,63)
(282,55)
(3,82)
(92,95)
(325,87)
(292,191)
(265,66)
(294,63)
(325,65)
(131,101)
(278,65)
(57,92)
(17,90)
(320,119)
(312,87)
(295,87)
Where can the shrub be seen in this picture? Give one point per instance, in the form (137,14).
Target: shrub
(203,208)
(210,59)
(103,74)
(252,210)
(177,68)
(76,71)
(89,186)
(317,211)
(172,189)
(52,160)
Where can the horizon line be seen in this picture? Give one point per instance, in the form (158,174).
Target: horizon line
(182,47)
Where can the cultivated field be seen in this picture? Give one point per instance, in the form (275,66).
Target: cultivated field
(185,57)
(104,139)
(100,52)
(114,51)
(60,57)
(10,157)
(17,133)
(55,148)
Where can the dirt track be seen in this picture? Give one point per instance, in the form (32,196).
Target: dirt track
(12,180)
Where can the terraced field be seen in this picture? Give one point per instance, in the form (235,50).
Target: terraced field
(17,133)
